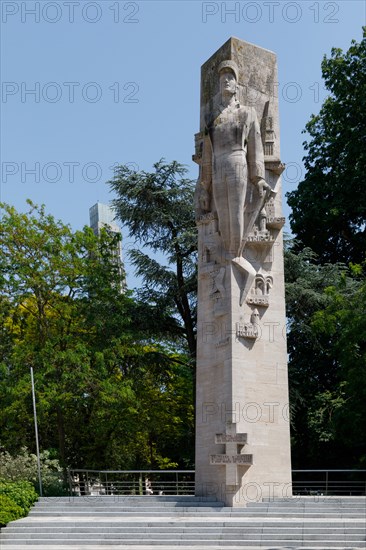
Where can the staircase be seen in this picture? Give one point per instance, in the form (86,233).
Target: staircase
(168,522)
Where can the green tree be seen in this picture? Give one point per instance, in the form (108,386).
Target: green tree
(46,272)
(329,205)
(326,335)
(63,313)
(158,210)
(343,323)
(312,369)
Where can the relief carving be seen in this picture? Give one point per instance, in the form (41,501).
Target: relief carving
(218,286)
(234,443)
(249,330)
(268,134)
(231,157)
(273,221)
(259,294)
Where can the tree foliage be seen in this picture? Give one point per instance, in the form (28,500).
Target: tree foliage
(343,323)
(103,384)
(158,210)
(323,268)
(329,205)
(326,341)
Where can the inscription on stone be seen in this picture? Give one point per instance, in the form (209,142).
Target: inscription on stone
(275,223)
(239,438)
(231,459)
(247,330)
(258,300)
(263,237)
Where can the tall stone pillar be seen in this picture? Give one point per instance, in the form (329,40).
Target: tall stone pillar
(242,431)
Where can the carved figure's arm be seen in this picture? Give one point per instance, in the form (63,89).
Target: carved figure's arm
(255,151)
(204,183)
(256,158)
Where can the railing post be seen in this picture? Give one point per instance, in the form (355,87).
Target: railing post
(326,483)
(176,482)
(140,484)
(70,483)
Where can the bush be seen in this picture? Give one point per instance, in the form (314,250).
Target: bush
(22,493)
(24,467)
(9,511)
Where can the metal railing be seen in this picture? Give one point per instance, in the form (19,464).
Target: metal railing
(131,482)
(329,482)
(182,482)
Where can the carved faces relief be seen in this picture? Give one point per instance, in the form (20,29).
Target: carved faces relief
(227,82)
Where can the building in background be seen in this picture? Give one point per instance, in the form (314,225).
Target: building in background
(102,216)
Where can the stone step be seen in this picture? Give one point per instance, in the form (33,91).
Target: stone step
(185,524)
(191,498)
(138,509)
(136,501)
(119,504)
(162,506)
(314,506)
(174,513)
(223,535)
(203,506)
(329,532)
(315,498)
(280,543)
(61,527)
(132,498)
(190,509)
(137,526)
(183,546)
(194,506)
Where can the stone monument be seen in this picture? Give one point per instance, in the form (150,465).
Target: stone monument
(242,429)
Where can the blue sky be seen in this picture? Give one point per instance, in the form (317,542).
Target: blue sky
(119,82)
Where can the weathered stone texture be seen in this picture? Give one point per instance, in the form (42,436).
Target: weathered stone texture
(242,385)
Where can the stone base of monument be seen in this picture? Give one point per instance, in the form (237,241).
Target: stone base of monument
(168,522)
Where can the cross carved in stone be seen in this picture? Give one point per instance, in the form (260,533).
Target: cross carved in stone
(234,442)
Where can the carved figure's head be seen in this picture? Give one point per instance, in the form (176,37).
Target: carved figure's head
(228,73)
